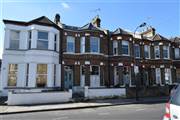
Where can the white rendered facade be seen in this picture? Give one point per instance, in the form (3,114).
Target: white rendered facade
(29,58)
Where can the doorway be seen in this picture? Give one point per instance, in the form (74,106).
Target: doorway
(68,77)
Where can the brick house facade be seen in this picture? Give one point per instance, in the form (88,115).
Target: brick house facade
(99,58)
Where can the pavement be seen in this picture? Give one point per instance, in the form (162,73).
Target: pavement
(153,111)
(5,109)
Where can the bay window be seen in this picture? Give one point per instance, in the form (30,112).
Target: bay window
(166,52)
(12,75)
(14,39)
(82,46)
(70,47)
(157,52)
(42,42)
(147,51)
(115,47)
(125,47)
(94,44)
(41,75)
(137,51)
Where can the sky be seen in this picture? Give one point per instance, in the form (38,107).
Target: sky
(164,15)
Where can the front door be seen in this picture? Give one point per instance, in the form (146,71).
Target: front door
(68,77)
(82,76)
(116,76)
(95,76)
(126,76)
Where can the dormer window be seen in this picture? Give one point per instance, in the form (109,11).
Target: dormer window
(42,42)
(14,39)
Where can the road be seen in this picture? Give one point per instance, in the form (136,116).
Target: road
(121,112)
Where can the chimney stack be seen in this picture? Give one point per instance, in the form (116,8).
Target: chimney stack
(96,21)
(57,19)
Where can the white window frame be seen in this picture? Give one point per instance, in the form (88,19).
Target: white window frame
(125,42)
(83,44)
(115,46)
(98,39)
(13,39)
(148,50)
(71,39)
(166,48)
(44,40)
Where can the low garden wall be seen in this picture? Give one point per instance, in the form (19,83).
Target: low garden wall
(27,98)
(104,92)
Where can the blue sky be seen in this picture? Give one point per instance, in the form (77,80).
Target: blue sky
(164,15)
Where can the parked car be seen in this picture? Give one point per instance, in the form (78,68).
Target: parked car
(173,106)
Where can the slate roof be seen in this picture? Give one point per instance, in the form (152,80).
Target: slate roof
(159,37)
(43,20)
(121,31)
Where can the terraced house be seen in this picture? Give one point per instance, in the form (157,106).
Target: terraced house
(42,54)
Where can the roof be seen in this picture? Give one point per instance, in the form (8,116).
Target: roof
(121,31)
(176,39)
(159,37)
(89,26)
(43,20)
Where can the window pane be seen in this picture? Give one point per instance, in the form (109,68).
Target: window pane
(157,52)
(41,69)
(94,44)
(158,75)
(125,47)
(167,76)
(95,70)
(42,44)
(14,35)
(41,78)
(83,44)
(146,51)
(12,75)
(177,53)
(70,44)
(137,50)
(14,44)
(43,35)
(165,51)
(115,47)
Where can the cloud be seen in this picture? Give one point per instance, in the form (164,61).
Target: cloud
(65,5)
